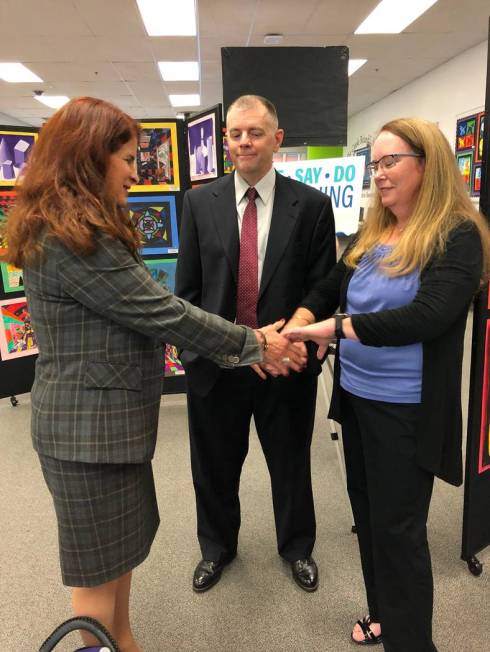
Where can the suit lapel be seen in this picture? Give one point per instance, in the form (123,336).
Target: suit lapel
(226,222)
(284,216)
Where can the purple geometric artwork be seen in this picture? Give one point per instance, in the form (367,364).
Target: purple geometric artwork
(14,151)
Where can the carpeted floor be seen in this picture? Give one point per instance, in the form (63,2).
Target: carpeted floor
(256,607)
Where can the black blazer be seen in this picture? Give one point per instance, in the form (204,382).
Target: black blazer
(437,318)
(300,252)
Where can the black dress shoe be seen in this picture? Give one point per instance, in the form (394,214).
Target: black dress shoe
(305,573)
(207,574)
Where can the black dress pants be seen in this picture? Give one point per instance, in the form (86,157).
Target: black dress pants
(390,497)
(219,423)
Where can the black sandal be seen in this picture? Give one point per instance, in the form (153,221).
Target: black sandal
(369,637)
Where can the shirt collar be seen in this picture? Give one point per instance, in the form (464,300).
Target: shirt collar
(264,187)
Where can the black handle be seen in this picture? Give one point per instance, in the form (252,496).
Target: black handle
(83,622)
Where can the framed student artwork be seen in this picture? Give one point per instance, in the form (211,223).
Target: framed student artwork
(475,180)
(162,270)
(15,147)
(11,278)
(465,164)
(480,131)
(7,200)
(466,133)
(155,218)
(17,338)
(228,166)
(173,366)
(157,158)
(204,145)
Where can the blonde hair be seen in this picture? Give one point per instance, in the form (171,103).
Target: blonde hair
(442,204)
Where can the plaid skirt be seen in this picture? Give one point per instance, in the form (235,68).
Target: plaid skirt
(107,517)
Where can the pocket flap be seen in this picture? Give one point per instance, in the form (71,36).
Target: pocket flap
(110,375)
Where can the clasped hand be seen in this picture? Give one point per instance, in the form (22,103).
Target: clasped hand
(322,333)
(281,355)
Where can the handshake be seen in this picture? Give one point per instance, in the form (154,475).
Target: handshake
(286,350)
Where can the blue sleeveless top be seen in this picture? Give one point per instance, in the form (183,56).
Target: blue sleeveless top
(388,373)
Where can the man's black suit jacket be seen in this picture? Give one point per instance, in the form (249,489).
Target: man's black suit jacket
(300,253)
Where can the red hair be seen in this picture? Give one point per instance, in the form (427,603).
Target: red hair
(62,191)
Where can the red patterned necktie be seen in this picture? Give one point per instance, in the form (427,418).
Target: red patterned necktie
(248,283)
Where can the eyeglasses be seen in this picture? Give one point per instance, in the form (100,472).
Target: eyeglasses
(388,161)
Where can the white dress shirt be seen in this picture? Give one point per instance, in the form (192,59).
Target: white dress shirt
(264,203)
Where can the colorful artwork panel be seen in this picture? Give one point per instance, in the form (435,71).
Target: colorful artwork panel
(476,180)
(156,221)
(173,366)
(17,339)
(15,147)
(201,137)
(480,131)
(484,457)
(7,200)
(162,271)
(464,161)
(11,278)
(157,158)
(227,162)
(466,133)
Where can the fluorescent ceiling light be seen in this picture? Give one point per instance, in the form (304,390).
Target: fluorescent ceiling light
(16,73)
(53,101)
(168,18)
(179,70)
(355,64)
(180,116)
(185,100)
(392,16)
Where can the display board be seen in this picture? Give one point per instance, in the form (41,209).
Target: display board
(476,520)
(308,85)
(155,206)
(18,345)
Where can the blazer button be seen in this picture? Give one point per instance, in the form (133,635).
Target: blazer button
(233,359)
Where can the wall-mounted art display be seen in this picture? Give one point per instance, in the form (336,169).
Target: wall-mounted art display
(484,457)
(366,152)
(173,366)
(228,166)
(17,338)
(162,270)
(465,161)
(7,200)
(480,131)
(157,158)
(11,278)
(15,147)
(204,143)
(155,218)
(475,180)
(466,133)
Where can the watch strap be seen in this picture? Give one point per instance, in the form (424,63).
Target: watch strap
(339,318)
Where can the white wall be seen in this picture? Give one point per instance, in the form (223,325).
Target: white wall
(452,90)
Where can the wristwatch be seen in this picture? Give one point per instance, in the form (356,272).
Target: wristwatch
(339,318)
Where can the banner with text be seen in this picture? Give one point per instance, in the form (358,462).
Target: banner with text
(339,178)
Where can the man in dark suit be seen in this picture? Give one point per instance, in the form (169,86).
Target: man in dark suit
(252,247)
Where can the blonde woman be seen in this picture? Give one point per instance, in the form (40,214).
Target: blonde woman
(403,288)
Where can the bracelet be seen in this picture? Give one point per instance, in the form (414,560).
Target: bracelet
(263,343)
